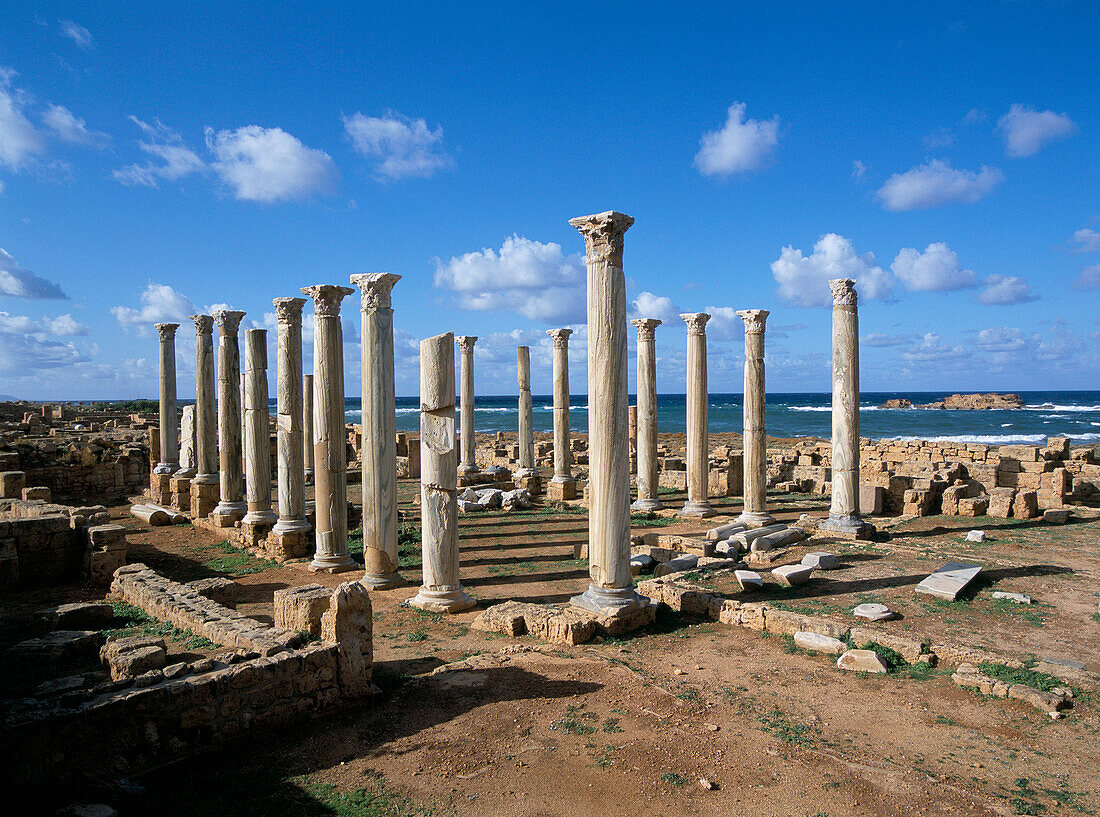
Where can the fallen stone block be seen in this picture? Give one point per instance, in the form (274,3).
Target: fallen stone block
(744,539)
(748,579)
(58,645)
(219,589)
(685,561)
(348,623)
(820,561)
(642,564)
(871,611)
(791,575)
(949,581)
(862,661)
(96,615)
(819,643)
(911,649)
(135,662)
(725,531)
(1018,598)
(1056,516)
(771,541)
(976,536)
(301,608)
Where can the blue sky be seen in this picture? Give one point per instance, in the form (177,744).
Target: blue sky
(161,158)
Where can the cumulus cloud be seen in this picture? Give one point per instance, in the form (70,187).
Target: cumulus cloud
(68,127)
(739,146)
(932,349)
(160,303)
(1005,339)
(1088,278)
(937,183)
(77,33)
(1087,240)
(661,307)
(397,145)
(268,164)
(524,276)
(176,159)
(25,344)
(880,341)
(19,139)
(934,270)
(1001,290)
(724,323)
(804,279)
(21,283)
(1025,130)
(65,325)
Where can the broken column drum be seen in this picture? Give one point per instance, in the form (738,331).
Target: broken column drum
(526,432)
(844,509)
(468,465)
(329,452)
(379,457)
(563,458)
(754,438)
(257,439)
(698,463)
(647,416)
(169,441)
(307,424)
(289,443)
(231,507)
(611,591)
(442,589)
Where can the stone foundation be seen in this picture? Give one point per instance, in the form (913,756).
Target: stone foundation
(559,625)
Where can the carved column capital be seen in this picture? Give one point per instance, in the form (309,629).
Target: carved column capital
(754,319)
(696,322)
(228,320)
(376,288)
(289,310)
(327,298)
(167,331)
(646,327)
(204,324)
(466,343)
(844,291)
(603,233)
(560,336)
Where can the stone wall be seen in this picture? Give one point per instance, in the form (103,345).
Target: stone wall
(43,544)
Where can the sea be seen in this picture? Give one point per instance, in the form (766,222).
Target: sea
(1073,414)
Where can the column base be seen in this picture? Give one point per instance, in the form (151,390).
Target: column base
(204,497)
(185,472)
(332,564)
(528,479)
(266,517)
(562,488)
(166,468)
(206,479)
(610,602)
(756,519)
(382,581)
(228,514)
(647,504)
(847,526)
(160,488)
(697,510)
(467,468)
(288,526)
(283,545)
(442,601)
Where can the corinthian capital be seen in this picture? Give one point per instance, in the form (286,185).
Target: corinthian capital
(167,331)
(204,324)
(754,319)
(326,299)
(844,291)
(646,327)
(466,343)
(376,288)
(696,322)
(560,336)
(603,233)
(228,320)
(289,310)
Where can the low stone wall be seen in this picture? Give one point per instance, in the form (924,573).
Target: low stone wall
(98,482)
(53,544)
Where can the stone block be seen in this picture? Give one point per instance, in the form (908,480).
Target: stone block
(37,494)
(862,661)
(561,491)
(910,649)
(871,500)
(222,590)
(821,561)
(1025,505)
(748,579)
(59,645)
(819,643)
(682,562)
(348,623)
(138,661)
(948,581)
(1056,516)
(300,608)
(973,506)
(12,484)
(791,575)
(1000,502)
(95,615)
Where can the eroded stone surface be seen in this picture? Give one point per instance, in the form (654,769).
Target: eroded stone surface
(819,643)
(862,661)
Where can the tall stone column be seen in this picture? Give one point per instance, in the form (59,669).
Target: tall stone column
(330,462)
(442,589)
(562,485)
(290,535)
(611,591)
(379,431)
(754,439)
(231,507)
(844,515)
(307,424)
(169,437)
(204,485)
(698,463)
(257,439)
(647,416)
(526,469)
(468,465)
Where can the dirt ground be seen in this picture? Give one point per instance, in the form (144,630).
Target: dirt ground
(632,725)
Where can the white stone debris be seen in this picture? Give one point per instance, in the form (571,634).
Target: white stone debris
(949,580)
(819,643)
(862,661)
(976,536)
(821,561)
(873,612)
(792,575)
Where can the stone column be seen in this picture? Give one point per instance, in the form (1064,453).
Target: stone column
(379,459)
(307,424)
(698,467)
(526,470)
(169,441)
(330,462)
(232,507)
(442,589)
(754,439)
(257,438)
(562,486)
(844,515)
(242,416)
(204,485)
(290,535)
(469,456)
(647,416)
(611,591)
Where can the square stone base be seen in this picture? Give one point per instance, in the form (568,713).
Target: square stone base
(533,483)
(283,546)
(865,532)
(559,624)
(561,490)
(160,489)
(181,494)
(252,534)
(204,498)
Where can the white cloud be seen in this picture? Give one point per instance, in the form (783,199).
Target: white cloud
(268,164)
(1005,339)
(661,307)
(19,139)
(1025,130)
(741,144)
(975,116)
(1001,290)
(1087,240)
(177,159)
(937,183)
(65,325)
(68,127)
(77,33)
(525,276)
(724,323)
(859,170)
(25,345)
(880,341)
(934,270)
(159,304)
(1088,278)
(804,280)
(399,146)
(931,350)
(22,283)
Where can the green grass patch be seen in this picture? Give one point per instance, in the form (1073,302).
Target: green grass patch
(133,620)
(1027,677)
(778,725)
(235,562)
(416,635)
(891,658)
(649,520)
(612,725)
(672,779)
(572,726)
(377,801)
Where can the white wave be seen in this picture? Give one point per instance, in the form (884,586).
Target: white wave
(830,408)
(1054,416)
(1094,424)
(1055,407)
(1090,437)
(988,439)
(1006,425)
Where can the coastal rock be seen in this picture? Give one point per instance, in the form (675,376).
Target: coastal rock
(977,402)
(898,403)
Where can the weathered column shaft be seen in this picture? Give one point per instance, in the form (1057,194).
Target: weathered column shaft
(442,589)
(647,416)
(231,506)
(526,432)
(329,453)
(288,415)
(169,435)
(754,439)
(468,464)
(206,419)
(698,467)
(308,425)
(563,456)
(257,435)
(379,458)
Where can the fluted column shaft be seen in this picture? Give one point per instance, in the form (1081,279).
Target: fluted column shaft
(169,434)
(257,439)
(206,420)
(698,463)
(329,453)
(231,506)
(289,445)
(526,432)
(647,416)
(379,458)
(468,464)
(563,456)
(307,424)
(754,437)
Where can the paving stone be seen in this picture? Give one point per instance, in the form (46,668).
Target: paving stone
(1019,598)
(792,575)
(873,612)
(821,561)
(819,643)
(862,661)
(949,580)
(748,579)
